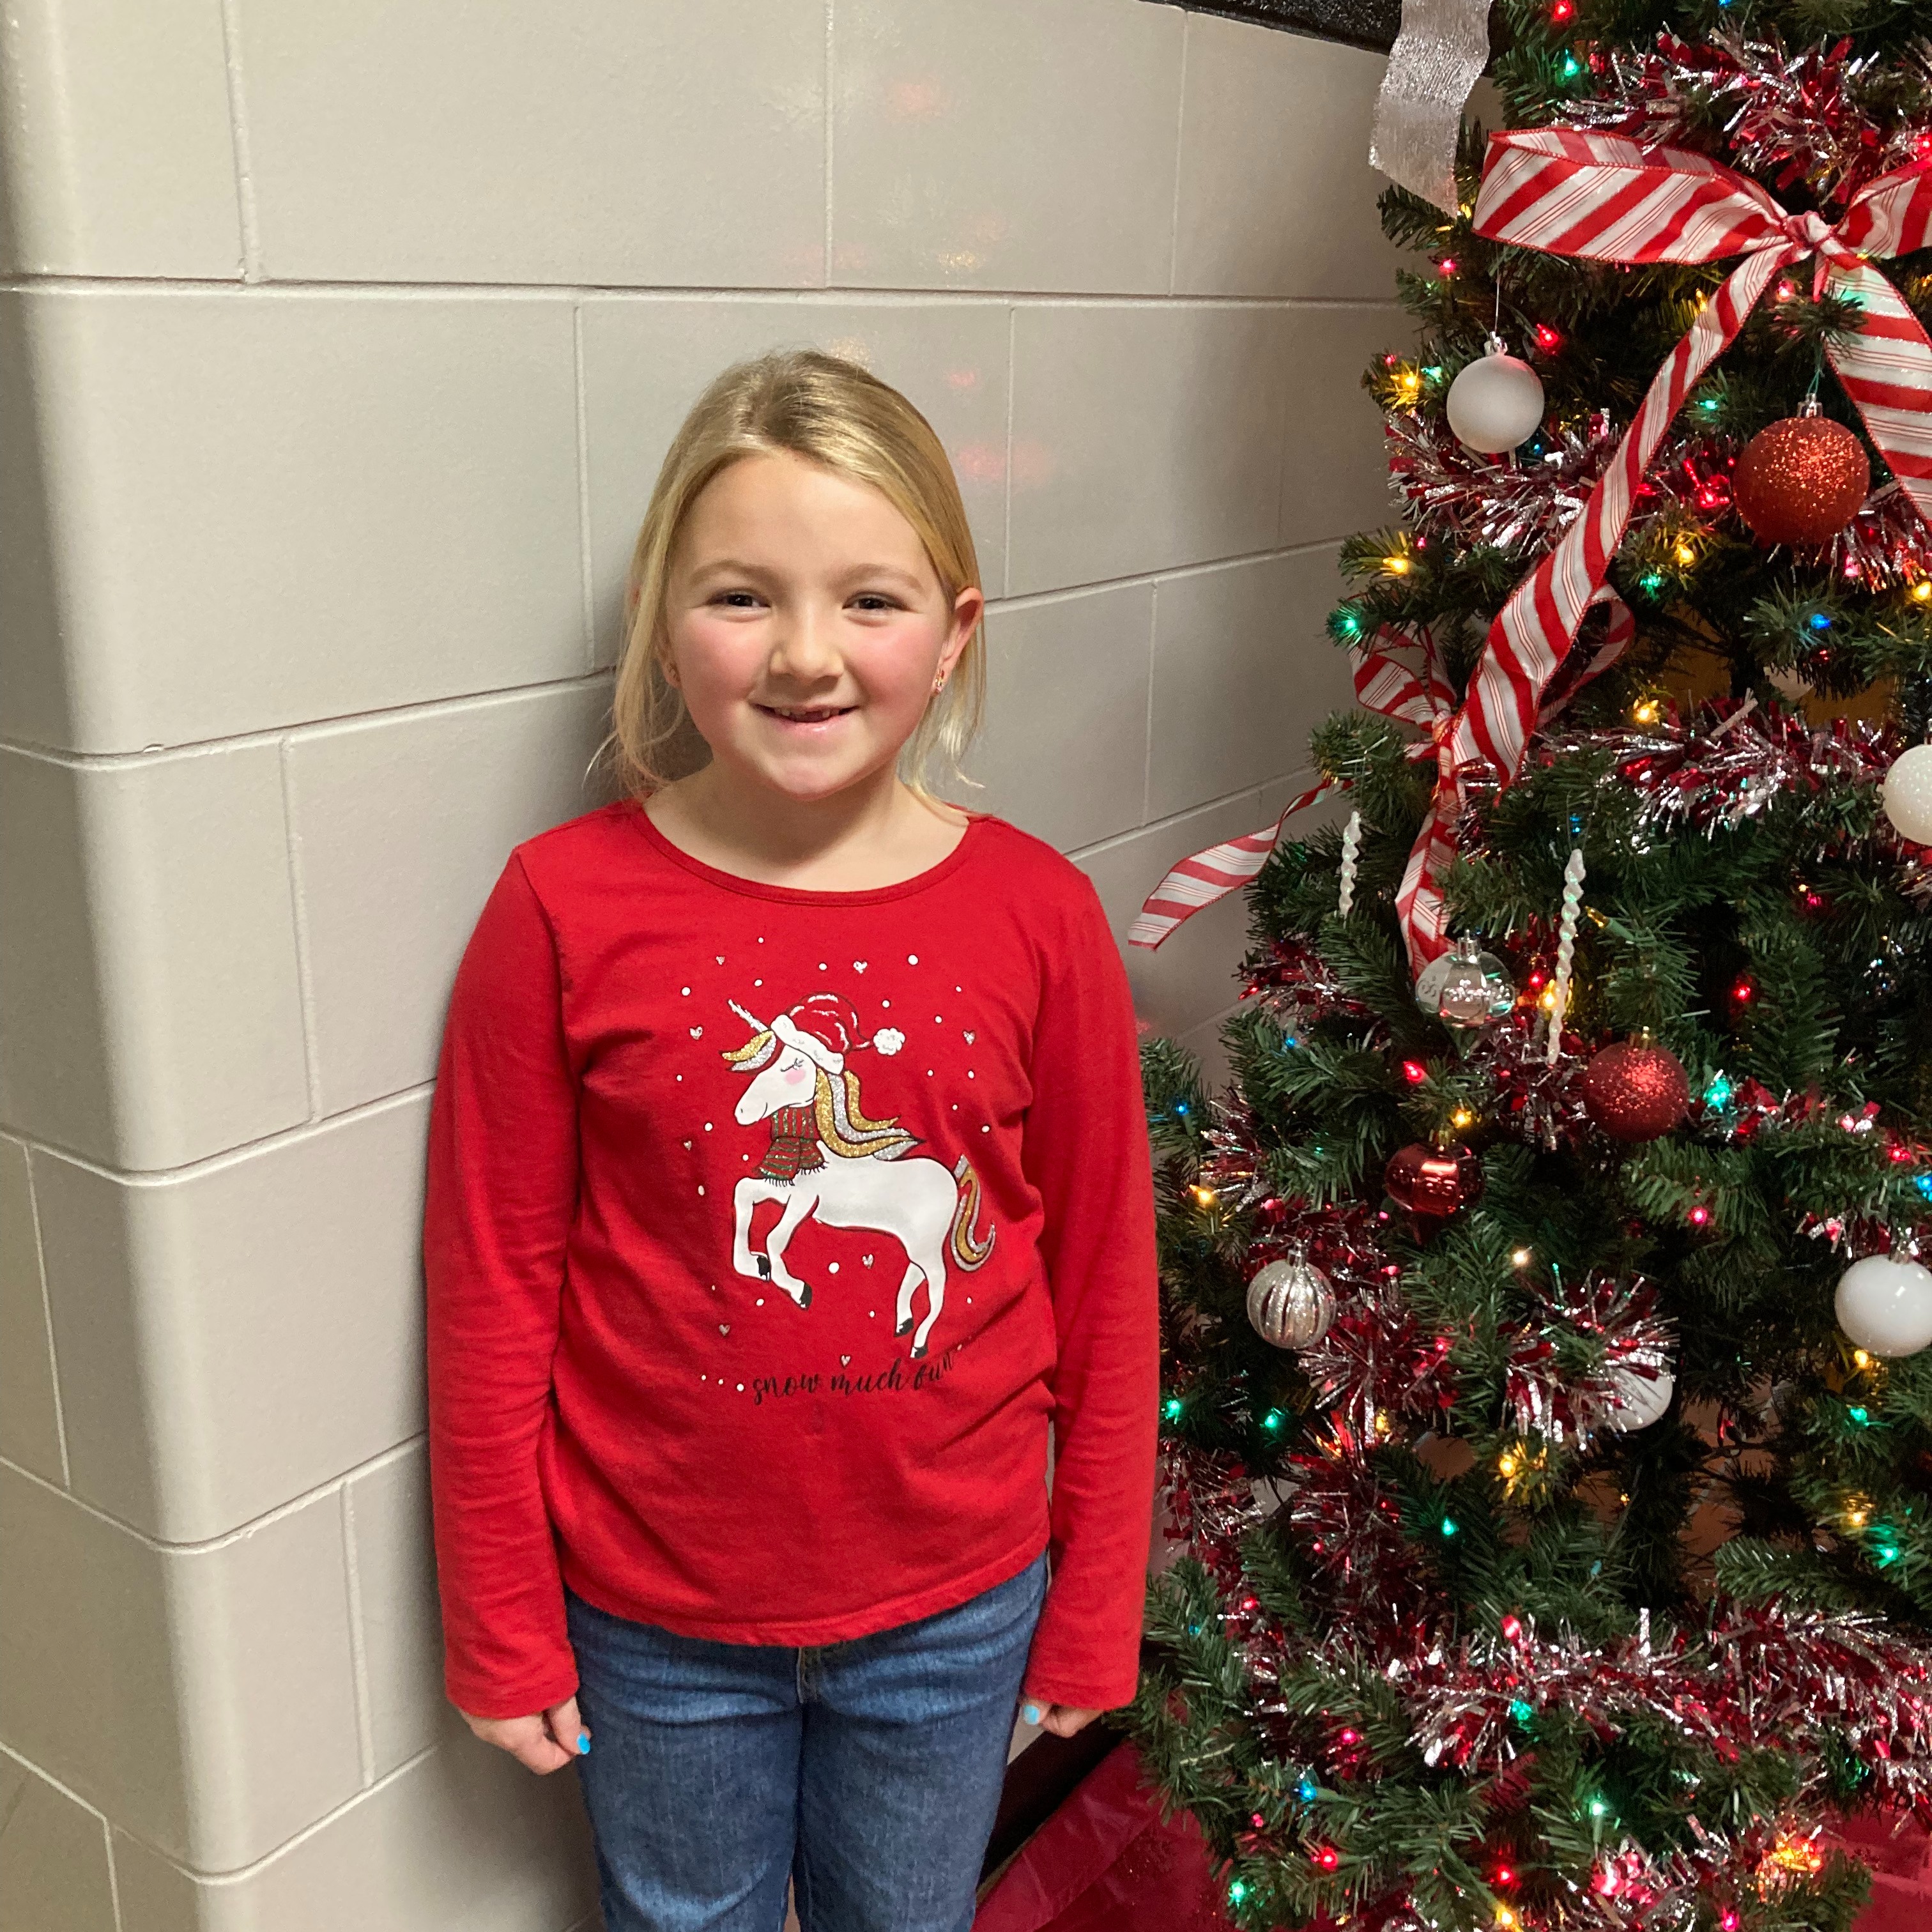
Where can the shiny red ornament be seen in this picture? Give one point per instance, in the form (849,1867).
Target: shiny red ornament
(1801,480)
(1432,1182)
(1635,1091)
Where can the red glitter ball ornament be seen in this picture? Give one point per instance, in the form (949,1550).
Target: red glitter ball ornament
(1801,480)
(1636,1090)
(1433,1183)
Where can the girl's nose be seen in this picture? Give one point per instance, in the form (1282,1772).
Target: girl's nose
(803,647)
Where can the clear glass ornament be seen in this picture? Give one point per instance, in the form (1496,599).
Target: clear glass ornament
(1466,987)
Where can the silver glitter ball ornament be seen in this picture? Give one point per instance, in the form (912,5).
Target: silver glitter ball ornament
(1466,986)
(1291,1303)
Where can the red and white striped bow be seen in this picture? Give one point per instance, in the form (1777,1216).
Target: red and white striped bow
(1570,192)
(1383,684)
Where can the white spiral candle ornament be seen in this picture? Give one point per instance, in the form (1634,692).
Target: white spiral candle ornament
(1352,845)
(1566,947)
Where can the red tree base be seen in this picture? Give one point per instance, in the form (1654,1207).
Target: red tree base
(1104,1862)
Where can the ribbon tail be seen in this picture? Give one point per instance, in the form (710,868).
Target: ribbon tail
(1886,370)
(1535,630)
(1616,640)
(1437,57)
(1209,876)
(1420,907)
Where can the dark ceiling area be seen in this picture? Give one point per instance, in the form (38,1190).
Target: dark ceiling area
(1362,23)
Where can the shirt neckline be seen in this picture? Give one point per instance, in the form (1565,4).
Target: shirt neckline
(759,888)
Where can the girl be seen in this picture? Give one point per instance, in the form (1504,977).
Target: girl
(787,1178)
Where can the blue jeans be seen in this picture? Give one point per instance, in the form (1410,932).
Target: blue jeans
(868,1771)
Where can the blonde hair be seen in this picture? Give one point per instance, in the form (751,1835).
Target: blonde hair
(835,414)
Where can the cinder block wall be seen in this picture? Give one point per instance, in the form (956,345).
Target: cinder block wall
(338,346)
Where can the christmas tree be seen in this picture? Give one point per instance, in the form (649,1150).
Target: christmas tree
(1547,1410)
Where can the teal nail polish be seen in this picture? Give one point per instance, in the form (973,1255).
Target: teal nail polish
(583,1743)
(1032,1713)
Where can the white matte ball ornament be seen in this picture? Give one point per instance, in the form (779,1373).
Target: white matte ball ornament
(1640,1399)
(1908,794)
(1496,403)
(1884,1307)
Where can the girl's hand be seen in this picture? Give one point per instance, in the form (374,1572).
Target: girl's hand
(546,1742)
(1062,1719)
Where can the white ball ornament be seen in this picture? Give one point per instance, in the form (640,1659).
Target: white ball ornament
(1496,403)
(1908,794)
(1885,1305)
(1640,1399)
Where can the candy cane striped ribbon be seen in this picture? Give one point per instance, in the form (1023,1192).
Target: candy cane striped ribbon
(1570,193)
(1382,685)
(1420,910)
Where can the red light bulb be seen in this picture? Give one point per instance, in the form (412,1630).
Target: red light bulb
(1547,339)
(1327,1858)
(1699,1215)
(1414,1072)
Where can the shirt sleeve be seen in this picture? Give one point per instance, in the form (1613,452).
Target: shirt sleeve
(501,1192)
(1086,1151)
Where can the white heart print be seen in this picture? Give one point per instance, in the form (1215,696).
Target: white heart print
(724,1327)
(858,965)
(844,1361)
(968,1038)
(697,1033)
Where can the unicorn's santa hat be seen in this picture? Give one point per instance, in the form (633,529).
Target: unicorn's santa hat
(825,1028)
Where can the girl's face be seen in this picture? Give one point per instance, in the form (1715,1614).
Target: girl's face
(807,626)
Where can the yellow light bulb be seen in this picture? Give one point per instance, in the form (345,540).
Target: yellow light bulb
(1685,554)
(1863,1360)
(1395,566)
(1522,1258)
(1646,713)
(1857,1518)
(1462,1118)
(1548,1002)
(1506,1465)
(1205,1197)
(1506,1918)
(1383,1425)
(1921,591)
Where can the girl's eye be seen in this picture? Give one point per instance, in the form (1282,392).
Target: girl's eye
(873,600)
(736,600)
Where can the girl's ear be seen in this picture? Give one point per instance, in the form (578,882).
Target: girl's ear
(968,608)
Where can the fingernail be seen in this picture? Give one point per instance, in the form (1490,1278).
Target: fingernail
(1032,1713)
(583,1743)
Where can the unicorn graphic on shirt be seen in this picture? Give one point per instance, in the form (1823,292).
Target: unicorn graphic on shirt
(828,1159)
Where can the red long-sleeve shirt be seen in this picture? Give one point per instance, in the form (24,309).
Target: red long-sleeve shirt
(697,1145)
